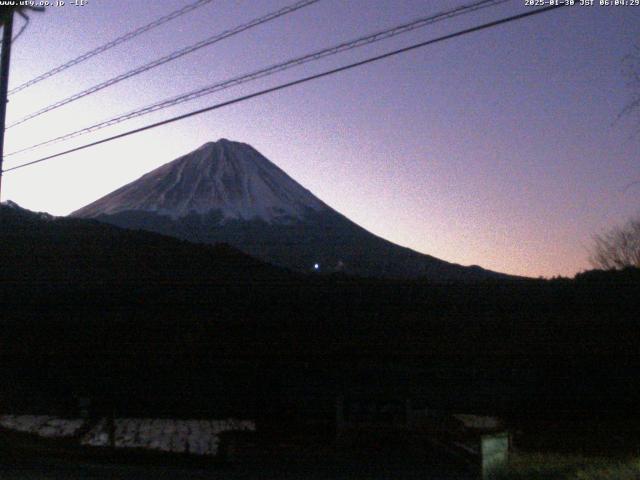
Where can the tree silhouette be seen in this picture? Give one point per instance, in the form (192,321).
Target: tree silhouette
(619,248)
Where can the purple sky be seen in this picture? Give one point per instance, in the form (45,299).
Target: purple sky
(499,148)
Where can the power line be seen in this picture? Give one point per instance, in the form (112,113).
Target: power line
(6,18)
(293,83)
(103,48)
(168,58)
(273,69)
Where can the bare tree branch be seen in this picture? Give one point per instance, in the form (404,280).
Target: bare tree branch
(618,248)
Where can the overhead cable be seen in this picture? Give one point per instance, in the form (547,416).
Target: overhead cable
(291,84)
(168,58)
(103,48)
(264,72)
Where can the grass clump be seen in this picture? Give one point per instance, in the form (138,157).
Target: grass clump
(545,466)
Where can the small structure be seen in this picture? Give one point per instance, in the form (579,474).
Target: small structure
(494,453)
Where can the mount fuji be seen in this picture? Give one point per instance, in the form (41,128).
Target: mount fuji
(228,192)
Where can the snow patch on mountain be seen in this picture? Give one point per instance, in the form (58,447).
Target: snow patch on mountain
(227,177)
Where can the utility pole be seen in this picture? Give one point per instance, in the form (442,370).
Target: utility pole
(7,33)
(6,20)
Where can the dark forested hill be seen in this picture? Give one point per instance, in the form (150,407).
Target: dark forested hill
(41,248)
(86,306)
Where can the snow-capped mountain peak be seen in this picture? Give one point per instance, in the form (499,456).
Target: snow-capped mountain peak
(228,192)
(227,177)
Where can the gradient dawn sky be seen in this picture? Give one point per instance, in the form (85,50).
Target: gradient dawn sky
(501,148)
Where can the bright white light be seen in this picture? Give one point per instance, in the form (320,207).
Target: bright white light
(316,266)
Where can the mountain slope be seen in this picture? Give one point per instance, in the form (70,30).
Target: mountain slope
(228,192)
